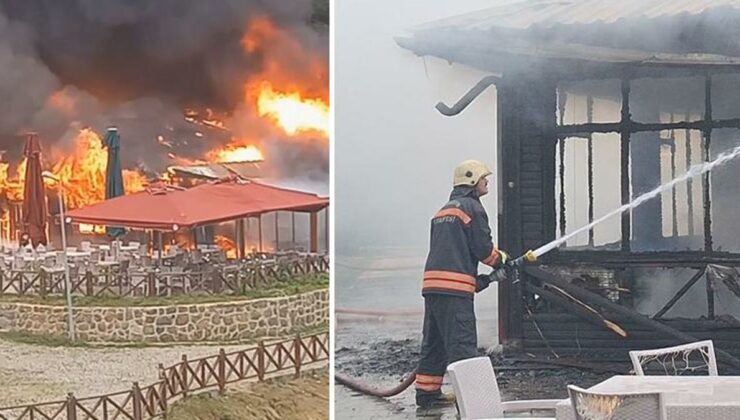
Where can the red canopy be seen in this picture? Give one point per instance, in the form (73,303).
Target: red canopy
(163,208)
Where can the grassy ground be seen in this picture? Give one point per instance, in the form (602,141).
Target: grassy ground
(297,285)
(285,398)
(63,341)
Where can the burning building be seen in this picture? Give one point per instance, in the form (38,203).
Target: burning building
(228,88)
(597,103)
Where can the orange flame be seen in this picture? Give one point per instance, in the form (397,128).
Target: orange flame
(238,154)
(226,244)
(13,185)
(292,112)
(291,90)
(83,173)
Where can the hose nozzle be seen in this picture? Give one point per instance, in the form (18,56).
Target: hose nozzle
(529,256)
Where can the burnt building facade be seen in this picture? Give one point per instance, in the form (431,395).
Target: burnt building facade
(598,103)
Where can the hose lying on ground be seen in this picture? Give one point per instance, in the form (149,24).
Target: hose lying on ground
(354,384)
(409,379)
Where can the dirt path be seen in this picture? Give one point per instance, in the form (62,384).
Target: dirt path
(35,373)
(306,398)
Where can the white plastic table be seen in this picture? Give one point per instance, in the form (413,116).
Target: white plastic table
(685,397)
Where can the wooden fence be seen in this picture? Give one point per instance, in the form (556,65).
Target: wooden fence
(184,378)
(222,278)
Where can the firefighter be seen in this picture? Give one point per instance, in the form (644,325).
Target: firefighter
(460,239)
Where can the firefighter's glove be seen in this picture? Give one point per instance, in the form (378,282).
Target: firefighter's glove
(498,275)
(503,258)
(482,281)
(513,264)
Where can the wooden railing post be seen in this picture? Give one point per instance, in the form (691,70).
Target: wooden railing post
(89,283)
(42,283)
(151,284)
(163,400)
(261,361)
(218,281)
(71,406)
(184,375)
(137,401)
(221,370)
(297,355)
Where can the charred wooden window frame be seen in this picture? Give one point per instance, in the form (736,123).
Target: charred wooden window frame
(626,127)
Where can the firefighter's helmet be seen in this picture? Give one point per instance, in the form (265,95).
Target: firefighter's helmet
(470,172)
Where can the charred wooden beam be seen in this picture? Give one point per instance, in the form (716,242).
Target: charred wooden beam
(728,276)
(590,118)
(674,209)
(571,130)
(618,259)
(689,182)
(706,176)
(706,189)
(561,168)
(730,325)
(594,299)
(625,127)
(710,297)
(682,291)
(577,308)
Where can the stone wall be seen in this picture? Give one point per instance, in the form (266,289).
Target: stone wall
(222,321)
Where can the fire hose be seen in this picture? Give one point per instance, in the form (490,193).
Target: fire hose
(500,274)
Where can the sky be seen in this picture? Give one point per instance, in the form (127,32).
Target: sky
(394,153)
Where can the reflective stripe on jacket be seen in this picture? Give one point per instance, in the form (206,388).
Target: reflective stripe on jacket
(460,239)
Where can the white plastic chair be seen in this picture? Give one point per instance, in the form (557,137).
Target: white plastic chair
(477,393)
(677,359)
(589,405)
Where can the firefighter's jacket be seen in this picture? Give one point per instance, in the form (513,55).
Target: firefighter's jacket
(460,239)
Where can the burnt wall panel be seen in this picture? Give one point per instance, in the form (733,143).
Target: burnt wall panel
(527,120)
(569,335)
(526,123)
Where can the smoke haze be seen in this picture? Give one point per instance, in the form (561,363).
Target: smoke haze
(394,153)
(138,65)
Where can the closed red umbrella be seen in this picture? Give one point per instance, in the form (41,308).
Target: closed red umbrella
(34,196)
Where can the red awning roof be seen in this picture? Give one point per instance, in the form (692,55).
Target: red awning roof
(201,205)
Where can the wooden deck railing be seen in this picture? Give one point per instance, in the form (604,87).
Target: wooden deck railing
(182,379)
(225,278)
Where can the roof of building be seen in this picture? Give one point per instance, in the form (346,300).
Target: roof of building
(168,208)
(662,32)
(215,171)
(548,13)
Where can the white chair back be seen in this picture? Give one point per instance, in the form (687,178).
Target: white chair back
(476,389)
(677,360)
(589,405)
